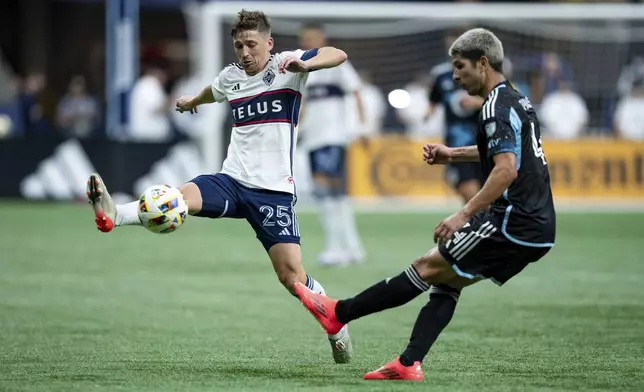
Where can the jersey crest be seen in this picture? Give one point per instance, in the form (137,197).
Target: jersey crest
(269,77)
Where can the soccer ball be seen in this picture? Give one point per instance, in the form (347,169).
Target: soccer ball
(162,209)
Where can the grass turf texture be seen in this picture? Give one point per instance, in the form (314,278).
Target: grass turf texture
(200,309)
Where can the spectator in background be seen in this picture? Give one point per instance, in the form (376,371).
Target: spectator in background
(31,106)
(629,115)
(10,115)
(149,106)
(551,70)
(563,112)
(631,73)
(374,103)
(77,112)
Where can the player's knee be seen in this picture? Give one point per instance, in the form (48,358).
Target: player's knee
(433,268)
(444,290)
(192,196)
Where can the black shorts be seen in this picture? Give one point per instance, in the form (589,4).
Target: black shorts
(458,173)
(481,250)
(329,161)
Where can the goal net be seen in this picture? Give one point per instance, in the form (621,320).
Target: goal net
(591,48)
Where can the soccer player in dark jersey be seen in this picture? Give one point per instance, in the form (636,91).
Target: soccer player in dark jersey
(461,114)
(509,224)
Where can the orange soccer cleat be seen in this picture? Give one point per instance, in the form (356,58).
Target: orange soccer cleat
(321,307)
(395,370)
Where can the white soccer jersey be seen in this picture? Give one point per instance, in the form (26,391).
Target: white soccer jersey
(265,110)
(326,119)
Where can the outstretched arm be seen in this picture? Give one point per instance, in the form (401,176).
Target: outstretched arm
(205,96)
(326,57)
(465,154)
(440,154)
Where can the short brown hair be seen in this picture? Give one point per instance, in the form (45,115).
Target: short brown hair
(251,20)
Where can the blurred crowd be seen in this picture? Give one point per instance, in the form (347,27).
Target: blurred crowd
(30,107)
(26,108)
(550,84)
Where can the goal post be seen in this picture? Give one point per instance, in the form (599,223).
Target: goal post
(397,41)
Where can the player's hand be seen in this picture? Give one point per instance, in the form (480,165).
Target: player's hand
(186,104)
(437,154)
(292,64)
(446,229)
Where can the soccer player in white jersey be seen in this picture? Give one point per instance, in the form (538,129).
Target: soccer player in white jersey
(326,133)
(264,92)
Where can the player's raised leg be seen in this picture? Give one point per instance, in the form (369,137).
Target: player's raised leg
(388,293)
(109,215)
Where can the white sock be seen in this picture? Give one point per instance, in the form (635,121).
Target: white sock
(127,214)
(349,231)
(329,215)
(314,285)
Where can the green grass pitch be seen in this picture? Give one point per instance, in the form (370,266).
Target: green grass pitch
(200,309)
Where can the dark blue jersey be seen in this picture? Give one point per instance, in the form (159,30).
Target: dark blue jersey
(508,123)
(460,124)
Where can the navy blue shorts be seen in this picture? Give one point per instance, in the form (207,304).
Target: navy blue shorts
(270,213)
(329,161)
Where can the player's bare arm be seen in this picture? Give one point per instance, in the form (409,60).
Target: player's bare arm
(440,154)
(501,176)
(190,103)
(464,154)
(327,57)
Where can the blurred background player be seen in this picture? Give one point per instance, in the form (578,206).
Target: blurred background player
(326,133)
(256,181)
(461,113)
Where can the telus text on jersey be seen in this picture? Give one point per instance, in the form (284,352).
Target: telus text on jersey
(253,109)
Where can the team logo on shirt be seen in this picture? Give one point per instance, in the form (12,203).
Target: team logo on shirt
(269,77)
(525,102)
(490,128)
